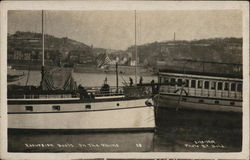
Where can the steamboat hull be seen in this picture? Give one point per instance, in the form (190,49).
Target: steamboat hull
(106,116)
(199,103)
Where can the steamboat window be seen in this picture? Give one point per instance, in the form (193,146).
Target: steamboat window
(160,79)
(233,86)
(216,102)
(201,101)
(219,86)
(213,85)
(172,81)
(56,108)
(226,87)
(117,104)
(88,106)
(232,103)
(165,80)
(239,87)
(193,83)
(179,82)
(199,84)
(206,84)
(28,96)
(29,108)
(186,83)
(184,99)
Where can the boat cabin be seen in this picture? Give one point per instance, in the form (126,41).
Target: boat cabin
(201,84)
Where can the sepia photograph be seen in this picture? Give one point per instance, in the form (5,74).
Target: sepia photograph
(130,80)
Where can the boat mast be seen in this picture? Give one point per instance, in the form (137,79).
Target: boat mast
(116,70)
(42,46)
(135,53)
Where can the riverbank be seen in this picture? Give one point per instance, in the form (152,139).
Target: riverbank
(124,70)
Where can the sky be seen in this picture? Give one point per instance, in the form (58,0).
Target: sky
(116,29)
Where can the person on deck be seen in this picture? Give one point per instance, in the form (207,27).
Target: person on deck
(130,81)
(105,88)
(82,91)
(141,79)
(153,86)
(105,80)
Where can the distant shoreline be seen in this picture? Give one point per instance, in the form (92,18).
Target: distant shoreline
(125,70)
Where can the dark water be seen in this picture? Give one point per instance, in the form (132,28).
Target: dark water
(198,131)
(182,131)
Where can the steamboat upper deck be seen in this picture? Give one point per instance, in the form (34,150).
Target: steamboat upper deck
(202,84)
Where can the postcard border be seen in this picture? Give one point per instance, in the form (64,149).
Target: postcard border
(123,5)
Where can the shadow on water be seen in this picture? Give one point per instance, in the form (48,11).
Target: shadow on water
(197,131)
(177,131)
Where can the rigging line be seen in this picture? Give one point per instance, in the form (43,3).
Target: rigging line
(28,74)
(135,51)
(43,37)
(139,29)
(45,31)
(139,40)
(123,79)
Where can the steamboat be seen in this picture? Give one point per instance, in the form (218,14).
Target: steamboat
(200,91)
(58,109)
(58,104)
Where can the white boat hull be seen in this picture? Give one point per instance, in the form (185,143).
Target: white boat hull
(101,116)
(172,101)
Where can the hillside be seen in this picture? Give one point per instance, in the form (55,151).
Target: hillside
(171,53)
(157,55)
(26,40)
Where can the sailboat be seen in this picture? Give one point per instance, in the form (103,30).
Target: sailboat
(12,76)
(57,104)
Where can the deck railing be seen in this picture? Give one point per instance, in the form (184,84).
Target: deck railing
(202,92)
(36,94)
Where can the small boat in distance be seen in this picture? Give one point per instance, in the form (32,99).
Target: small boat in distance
(12,76)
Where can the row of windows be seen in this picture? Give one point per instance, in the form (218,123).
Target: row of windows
(232,103)
(58,108)
(205,84)
(55,108)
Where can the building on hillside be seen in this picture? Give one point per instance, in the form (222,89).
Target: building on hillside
(234,48)
(132,63)
(25,48)
(33,56)
(81,56)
